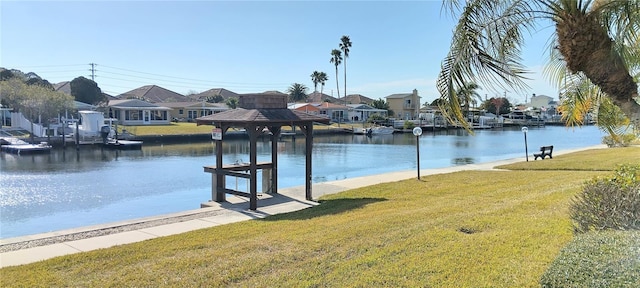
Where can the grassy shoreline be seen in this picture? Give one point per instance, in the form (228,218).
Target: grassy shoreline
(186,128)
(463,229)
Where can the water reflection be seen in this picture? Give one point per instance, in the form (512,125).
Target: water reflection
(462,161)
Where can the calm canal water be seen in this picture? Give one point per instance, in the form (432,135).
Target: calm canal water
(70,189)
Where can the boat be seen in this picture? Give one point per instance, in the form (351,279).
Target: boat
(26,148)
(381,130)
(359,131)
(123,144)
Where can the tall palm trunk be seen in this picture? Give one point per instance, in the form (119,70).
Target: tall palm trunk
(337,84)
(345,80)
(586,47)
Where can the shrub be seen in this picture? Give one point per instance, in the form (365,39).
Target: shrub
(376,118)
(408,125)
(623,140)
(597,259)
(609,203)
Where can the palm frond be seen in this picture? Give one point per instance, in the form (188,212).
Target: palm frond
(612,121)
(485,49)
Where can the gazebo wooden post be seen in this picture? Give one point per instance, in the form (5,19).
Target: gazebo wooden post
(220,185)
(253,160)
(275,133)
(307,128)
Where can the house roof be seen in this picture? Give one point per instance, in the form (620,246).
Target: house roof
(64,87)
(298,105)
(226,94)
(270,92)
(135,104)
(357,99)
(153,94)
(328,105)
(83,106)
(317,97)
(194,104)
(399,95)
(361,106)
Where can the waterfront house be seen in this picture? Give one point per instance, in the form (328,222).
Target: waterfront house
(547,107)
(138,112)
(335,112)
(405,106)
(362,112)
(308,108)
(188,111)
(540,101)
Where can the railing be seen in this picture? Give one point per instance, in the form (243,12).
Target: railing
(19,121)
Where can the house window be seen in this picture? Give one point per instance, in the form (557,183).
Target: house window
(192,114)
(181,112)
(159,115)
(133,115)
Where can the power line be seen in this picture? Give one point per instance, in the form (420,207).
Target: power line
(202,83)
(194,80)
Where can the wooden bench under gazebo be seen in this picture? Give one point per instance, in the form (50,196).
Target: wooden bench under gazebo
(257,114)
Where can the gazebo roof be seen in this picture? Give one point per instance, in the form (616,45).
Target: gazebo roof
(242,116)
(261,109)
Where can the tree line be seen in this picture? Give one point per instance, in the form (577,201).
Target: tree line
(37,99)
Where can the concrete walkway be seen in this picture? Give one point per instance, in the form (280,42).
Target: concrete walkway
(235,210)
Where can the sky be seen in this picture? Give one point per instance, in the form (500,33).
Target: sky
(242,46)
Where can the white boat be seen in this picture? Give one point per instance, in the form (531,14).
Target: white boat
(26,148)
(359,131)
(381,130)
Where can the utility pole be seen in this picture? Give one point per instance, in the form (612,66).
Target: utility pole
(93,71)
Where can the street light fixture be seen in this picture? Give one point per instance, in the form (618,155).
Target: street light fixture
(417,132)
(526,148)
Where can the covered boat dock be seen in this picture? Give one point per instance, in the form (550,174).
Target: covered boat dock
(258,113)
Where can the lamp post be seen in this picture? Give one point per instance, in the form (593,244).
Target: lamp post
(526,149)
(417,132)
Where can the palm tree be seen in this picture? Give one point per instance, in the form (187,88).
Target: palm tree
(232,102)
(596,40)
(315,78)
(322,78)
(345,44)
(466,94)
(297,92)
(336,59)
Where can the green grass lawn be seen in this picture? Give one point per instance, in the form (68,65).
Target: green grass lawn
(463,229)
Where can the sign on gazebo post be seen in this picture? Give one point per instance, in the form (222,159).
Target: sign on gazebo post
(216,134)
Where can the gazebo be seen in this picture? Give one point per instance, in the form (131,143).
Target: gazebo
(258,113)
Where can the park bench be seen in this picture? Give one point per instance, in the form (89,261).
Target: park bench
(544,152)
